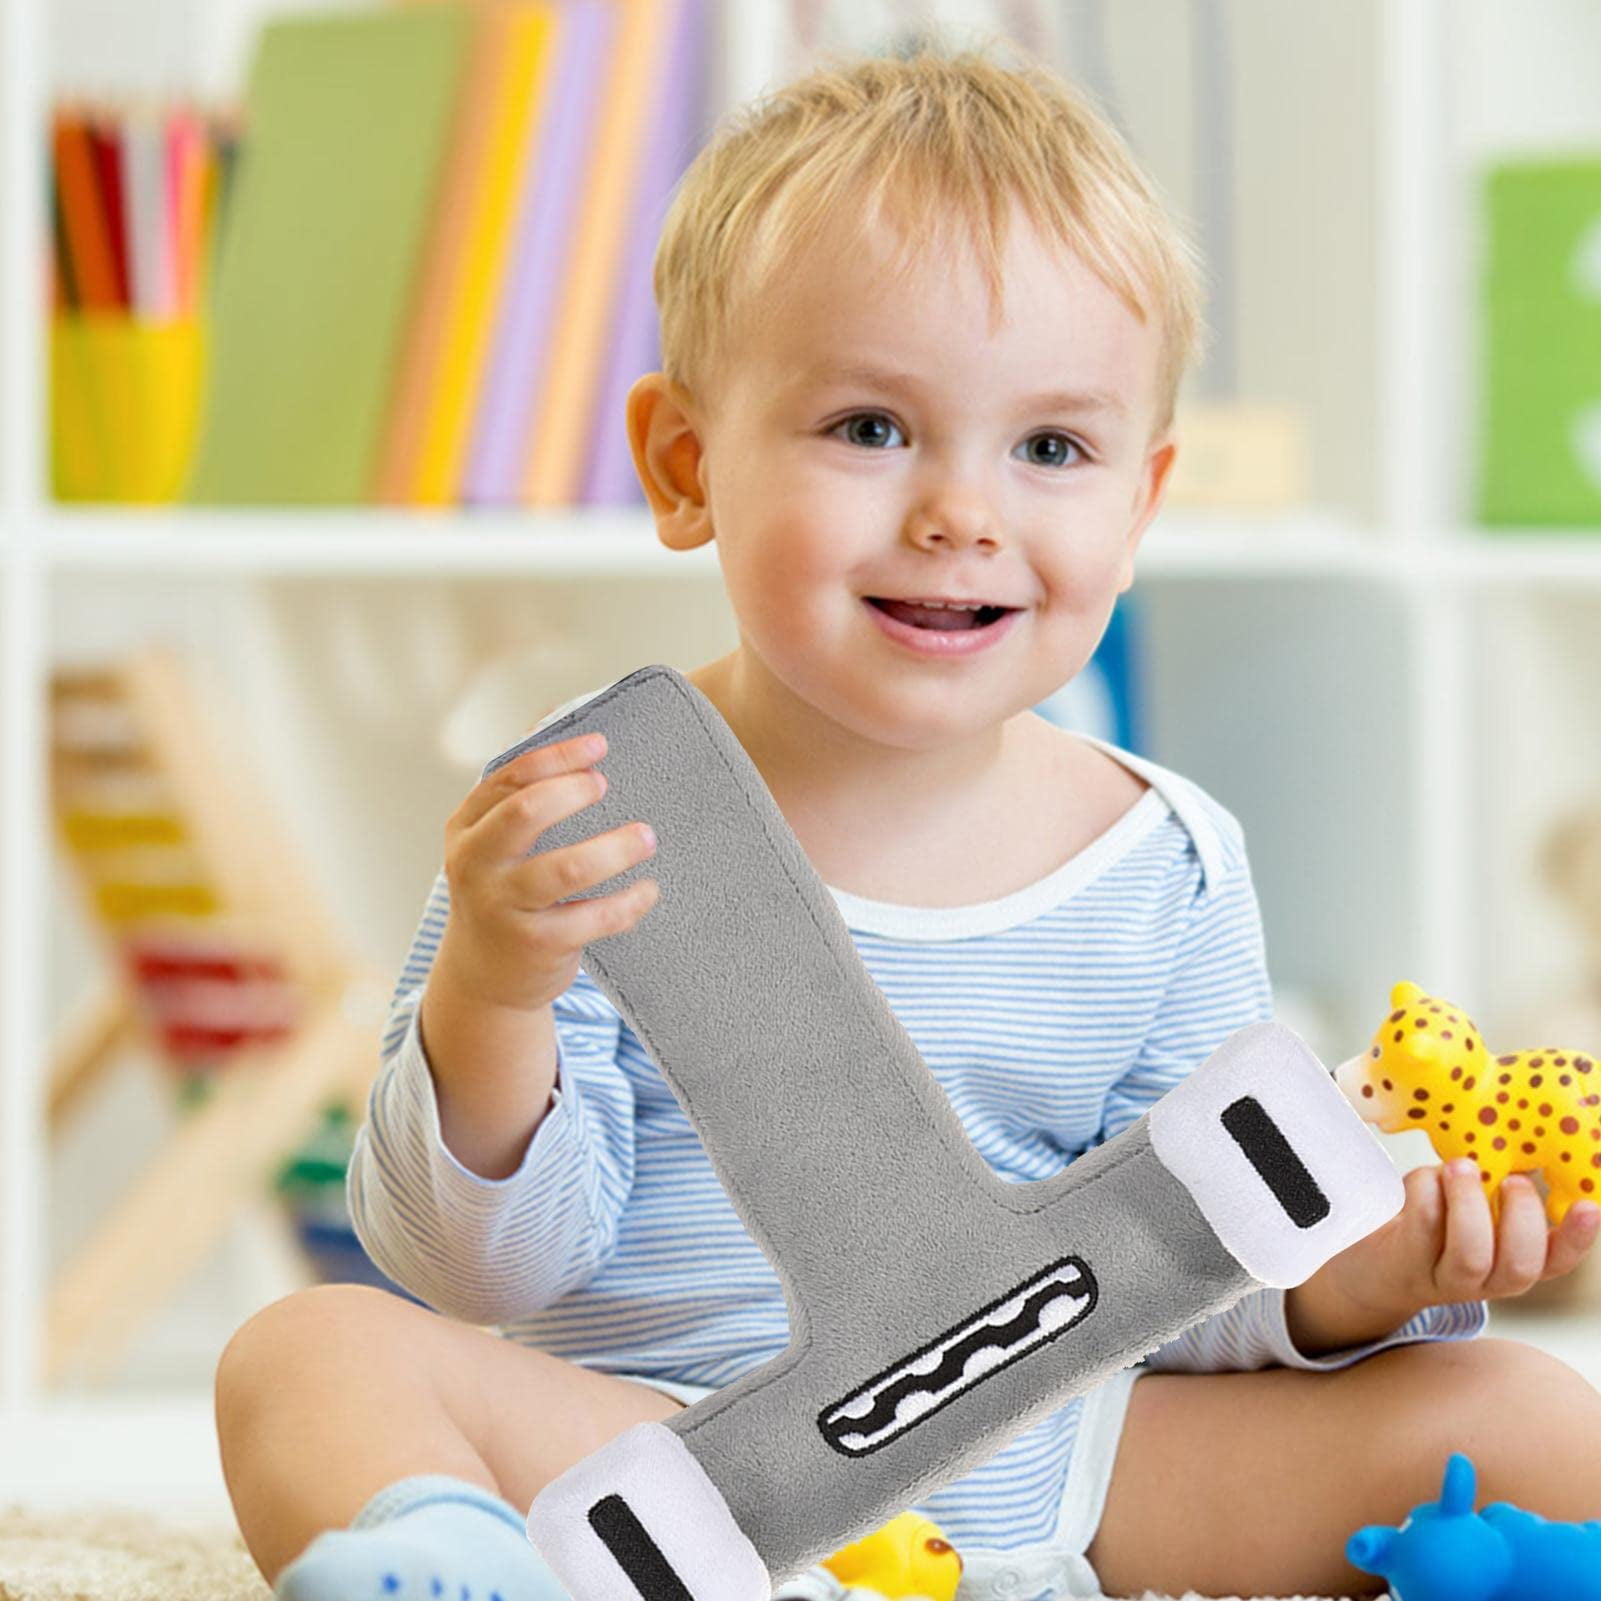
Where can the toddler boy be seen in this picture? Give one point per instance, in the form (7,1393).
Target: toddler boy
(923,325)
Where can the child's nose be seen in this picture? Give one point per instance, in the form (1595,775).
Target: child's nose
(953,515)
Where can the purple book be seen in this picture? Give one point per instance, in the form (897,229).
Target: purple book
(675,129)
(546,223)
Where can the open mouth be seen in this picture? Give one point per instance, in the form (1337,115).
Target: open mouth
(901,1397)
(942,619)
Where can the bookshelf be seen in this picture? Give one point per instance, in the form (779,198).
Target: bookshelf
(1398,639)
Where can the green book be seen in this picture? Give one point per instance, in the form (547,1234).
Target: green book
(349,120)
(1540,447)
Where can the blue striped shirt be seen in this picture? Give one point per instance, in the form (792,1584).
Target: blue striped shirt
(1053,1018)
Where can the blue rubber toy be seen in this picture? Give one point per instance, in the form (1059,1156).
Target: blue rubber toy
(1447,1552)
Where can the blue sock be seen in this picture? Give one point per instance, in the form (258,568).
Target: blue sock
(429,1538)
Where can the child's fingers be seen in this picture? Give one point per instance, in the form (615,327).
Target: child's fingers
(513,827)
(1469,1252)
(543,761)
(1572,1240)
(1421,1220)
(1521,1240)
(573,924)
(539,882)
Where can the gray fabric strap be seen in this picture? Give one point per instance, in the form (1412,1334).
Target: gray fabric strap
(936,1310)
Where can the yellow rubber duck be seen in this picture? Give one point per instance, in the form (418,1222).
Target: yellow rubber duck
(909,1556)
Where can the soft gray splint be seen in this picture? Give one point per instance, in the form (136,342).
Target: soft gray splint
(936,1310)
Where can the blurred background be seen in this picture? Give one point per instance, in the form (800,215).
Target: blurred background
(314,495)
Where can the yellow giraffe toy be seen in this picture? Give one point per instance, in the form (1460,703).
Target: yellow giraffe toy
(1532,1111)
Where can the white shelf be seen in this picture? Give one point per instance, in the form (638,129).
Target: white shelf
(180,542)
(198,541)
(177,542)
(1520,558)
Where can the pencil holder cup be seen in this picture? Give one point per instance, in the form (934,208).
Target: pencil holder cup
(124,402)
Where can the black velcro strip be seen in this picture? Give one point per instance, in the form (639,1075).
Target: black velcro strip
(1270,1154)
(637,1554)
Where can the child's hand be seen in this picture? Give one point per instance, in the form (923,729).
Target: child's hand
(507,940)
(1445,1245)
(1442,1246)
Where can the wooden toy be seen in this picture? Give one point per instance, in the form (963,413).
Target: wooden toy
(224,967)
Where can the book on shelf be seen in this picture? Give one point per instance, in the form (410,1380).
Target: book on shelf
(1541,430)
(346,117)
(434,284)
(563,420)
(501,106)
(609,475)
(519,366)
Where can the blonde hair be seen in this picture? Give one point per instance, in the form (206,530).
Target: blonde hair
(942,137)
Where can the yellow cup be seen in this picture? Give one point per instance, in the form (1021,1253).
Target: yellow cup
(124,405)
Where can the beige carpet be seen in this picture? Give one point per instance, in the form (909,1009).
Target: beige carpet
(121,1556)
(127,1556)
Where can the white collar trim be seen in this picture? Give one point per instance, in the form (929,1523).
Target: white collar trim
(1169,793)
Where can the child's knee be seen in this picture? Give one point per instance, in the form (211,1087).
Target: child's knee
(1509,1389)
(1546,1420)
(294,1329)
(1527,1420)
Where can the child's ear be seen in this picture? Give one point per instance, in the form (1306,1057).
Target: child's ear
(1153,485)
(663,435)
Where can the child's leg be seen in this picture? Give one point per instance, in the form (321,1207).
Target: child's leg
(329,1395)
(1251,1483)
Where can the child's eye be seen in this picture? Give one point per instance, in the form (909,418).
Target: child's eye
(1053,449)
(866,428)
(874,431)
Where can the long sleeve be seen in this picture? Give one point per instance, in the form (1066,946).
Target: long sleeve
(1252,1334)
(1219,984)
(493,1251)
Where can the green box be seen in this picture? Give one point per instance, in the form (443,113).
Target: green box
(1541,444)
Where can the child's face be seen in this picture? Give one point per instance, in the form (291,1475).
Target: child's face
(877,437)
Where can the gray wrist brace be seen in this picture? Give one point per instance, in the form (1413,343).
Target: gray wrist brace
(936,1310)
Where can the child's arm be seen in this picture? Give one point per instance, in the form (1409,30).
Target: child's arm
(494,1069)
(492,1250)
(1219,983)
(1442,1247)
